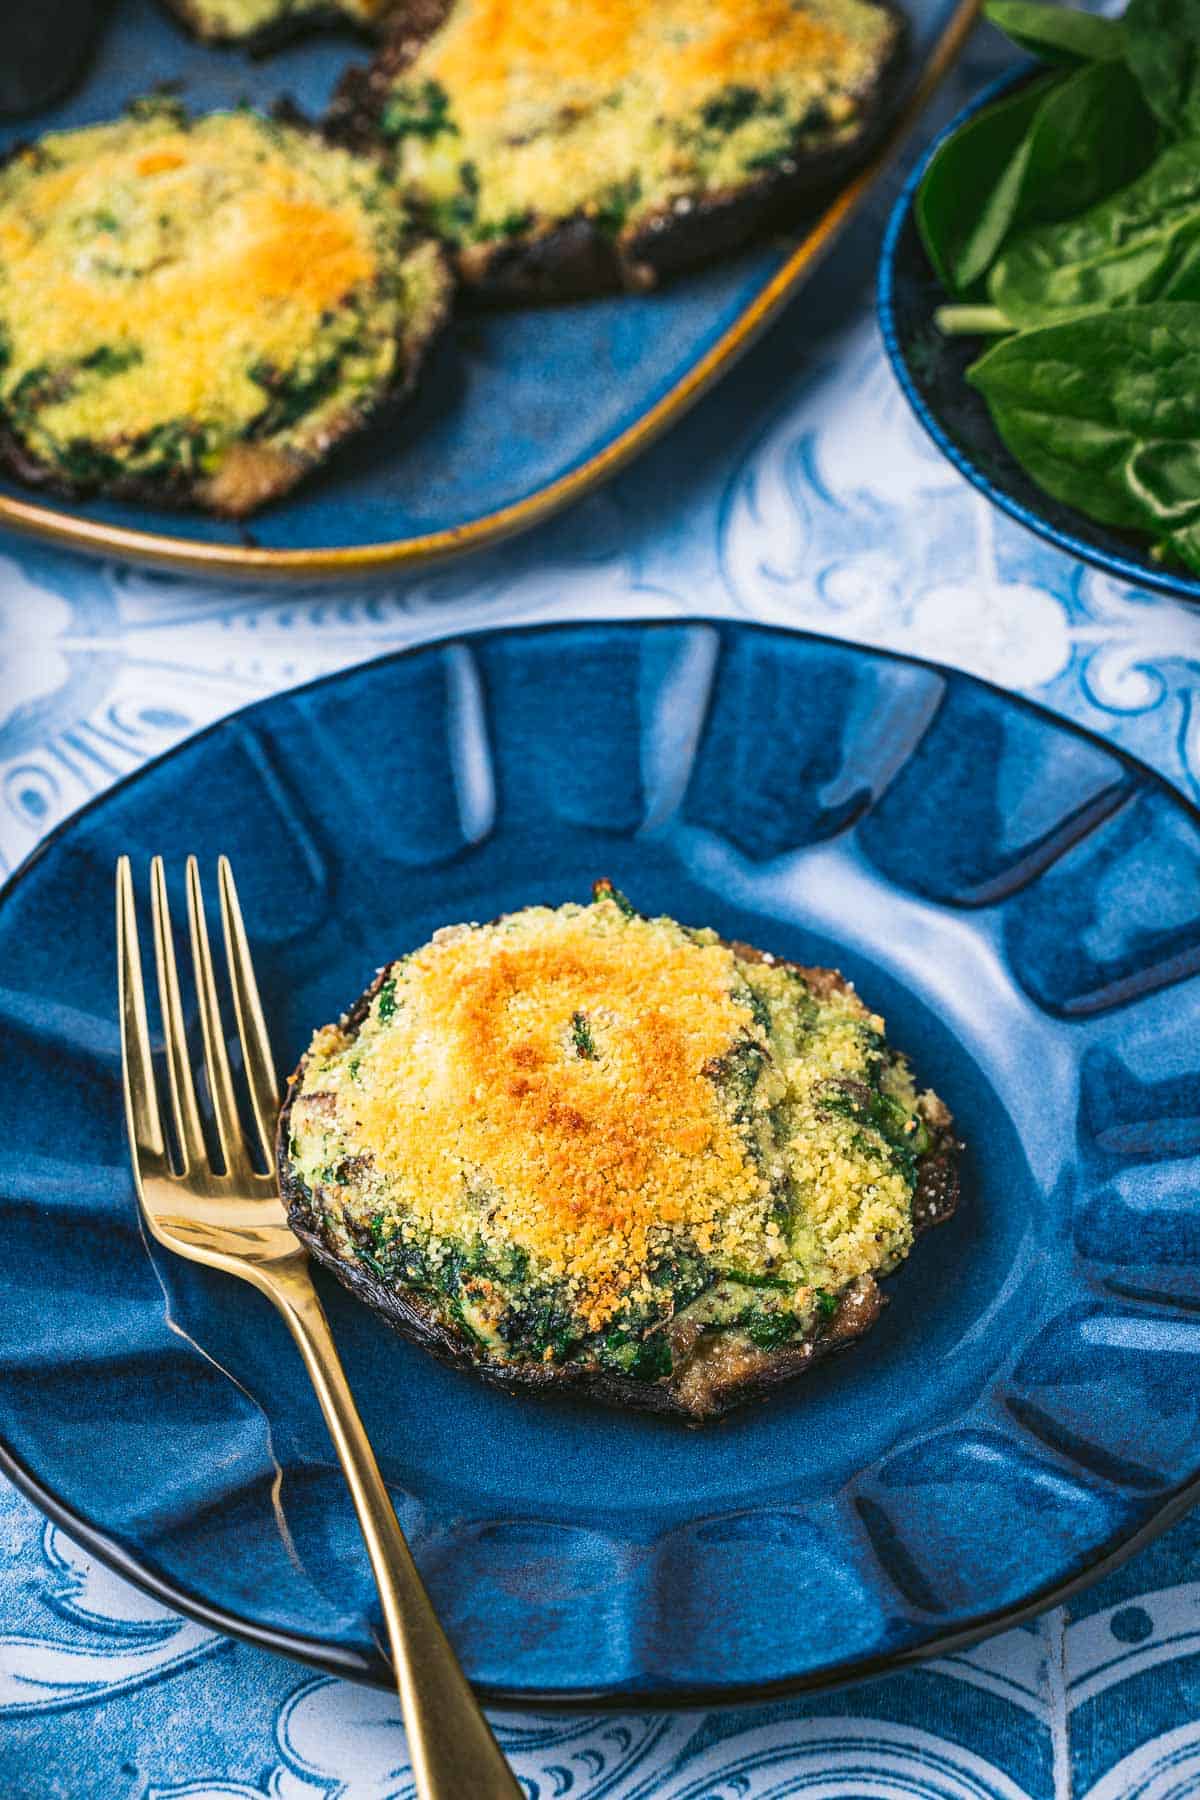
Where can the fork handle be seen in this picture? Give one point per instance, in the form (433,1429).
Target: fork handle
(453,1753)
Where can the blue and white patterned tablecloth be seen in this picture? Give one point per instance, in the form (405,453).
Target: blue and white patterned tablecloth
(802,493)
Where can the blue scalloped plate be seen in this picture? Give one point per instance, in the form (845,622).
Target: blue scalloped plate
(931,368)
(1022,903)
(518,411)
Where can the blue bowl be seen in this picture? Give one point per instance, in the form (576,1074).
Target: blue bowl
(931,369)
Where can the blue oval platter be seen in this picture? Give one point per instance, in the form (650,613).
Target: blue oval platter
(1020,901)
(518,411)
(931,368)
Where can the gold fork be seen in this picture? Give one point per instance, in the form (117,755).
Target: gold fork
(234,1220)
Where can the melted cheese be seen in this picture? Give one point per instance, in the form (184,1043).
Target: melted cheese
(151,271)
(553,106)
(559,1084)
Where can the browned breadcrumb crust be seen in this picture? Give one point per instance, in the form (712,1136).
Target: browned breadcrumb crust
(712,1374)
(574,257)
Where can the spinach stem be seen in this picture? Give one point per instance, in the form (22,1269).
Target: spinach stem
(970,321)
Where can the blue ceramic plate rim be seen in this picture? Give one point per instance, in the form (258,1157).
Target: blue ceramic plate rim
(340,1661)
(318,1653)
(1140,571)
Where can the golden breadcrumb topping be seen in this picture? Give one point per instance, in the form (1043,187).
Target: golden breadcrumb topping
(569,1098)
(519,113)
(499,56)
(477,1083)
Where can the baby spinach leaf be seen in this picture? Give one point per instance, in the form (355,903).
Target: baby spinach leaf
(1085,135)
(1137,245)
(1103,411)
(1182,546)
(1183,280)
(1092,135)
(1162,47)
(1058,34)
(968,197)
(1165,477)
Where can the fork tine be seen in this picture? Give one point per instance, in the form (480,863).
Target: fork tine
(252,1028)
(137,1065)
(216,1060)
(184,1110)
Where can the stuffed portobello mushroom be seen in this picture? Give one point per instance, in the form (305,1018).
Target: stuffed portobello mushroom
(584,1148)
(570,146)
(197,311)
